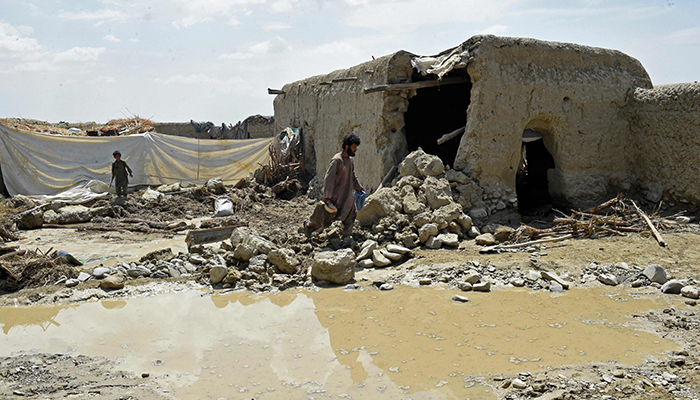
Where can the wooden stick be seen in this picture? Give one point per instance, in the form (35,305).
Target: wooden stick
(654,232)
(275,91)
(14,253)
(517,245)
(349,78)
(415,85)
(451,135)
(605,205)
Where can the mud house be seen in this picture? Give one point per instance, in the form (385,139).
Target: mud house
(586,121)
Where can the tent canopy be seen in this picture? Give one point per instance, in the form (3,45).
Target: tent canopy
(44,164)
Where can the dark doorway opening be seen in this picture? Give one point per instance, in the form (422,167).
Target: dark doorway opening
(532,186)
(436,111)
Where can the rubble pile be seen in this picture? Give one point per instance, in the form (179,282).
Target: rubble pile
(115,127)
(248,260)
(420,208)
(33,268)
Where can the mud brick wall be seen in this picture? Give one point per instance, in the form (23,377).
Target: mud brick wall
(327,107)
(574,95)
(665,124)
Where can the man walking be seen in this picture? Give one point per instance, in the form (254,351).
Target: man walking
(119,174)
(338,192)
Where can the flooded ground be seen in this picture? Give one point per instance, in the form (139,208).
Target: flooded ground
(407,343)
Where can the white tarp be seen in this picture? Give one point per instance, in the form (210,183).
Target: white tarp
(44,164)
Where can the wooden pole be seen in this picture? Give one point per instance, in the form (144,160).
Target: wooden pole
(415,85)
(654,232)
(451,135)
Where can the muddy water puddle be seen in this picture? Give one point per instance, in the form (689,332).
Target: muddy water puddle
(407,343)
(108,249)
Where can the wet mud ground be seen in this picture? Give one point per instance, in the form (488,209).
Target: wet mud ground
(180,339)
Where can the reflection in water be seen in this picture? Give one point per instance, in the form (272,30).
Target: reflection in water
(113,304)
(411,341)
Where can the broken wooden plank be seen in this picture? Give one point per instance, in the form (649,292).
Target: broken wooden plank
(415,85)
(451,135)
(349,78)
(654,232)
(524,244)
(201,236)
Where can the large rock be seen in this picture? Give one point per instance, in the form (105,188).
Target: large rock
(485,239)
(608,279)
(503,233)
(426,231)
(408,165)
(674,286)
(258,264)
(437,192)
(411,204)
(366,250)
(152,195)
(244,252)
(74,215)
(411,181)
(465,222)
(456,176)
(655,273)
(450,212)
(433,242)
(31,220)
(217,273)
(334,266)
(691,292)
(262,245)
(215,185)
(138,271)
(285,260)
(379,259)
(429,165)
(239,235)
(449,239)
(113,282)
(380,204)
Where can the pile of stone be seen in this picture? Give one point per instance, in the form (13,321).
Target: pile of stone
(476,276)
(372,256)
(652,275)
(249,261)
(420,208)
(161,264)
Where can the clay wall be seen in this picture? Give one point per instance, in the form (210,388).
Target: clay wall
(327,107)
(665,125)
(180,129)
(574,95)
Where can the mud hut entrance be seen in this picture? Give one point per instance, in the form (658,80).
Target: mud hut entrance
(435,111)
(532,185)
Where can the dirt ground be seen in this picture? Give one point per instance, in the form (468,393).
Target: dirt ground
(63,376)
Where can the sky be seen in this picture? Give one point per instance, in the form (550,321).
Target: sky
(213,60)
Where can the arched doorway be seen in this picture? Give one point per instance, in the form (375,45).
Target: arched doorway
(532,185)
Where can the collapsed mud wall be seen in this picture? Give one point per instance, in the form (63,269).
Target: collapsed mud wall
(261,126)
(665,125)
(574,95)
(327,107)
(184,129)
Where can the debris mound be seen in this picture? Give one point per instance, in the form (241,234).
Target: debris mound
(33,268)
(622,215)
